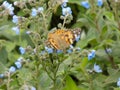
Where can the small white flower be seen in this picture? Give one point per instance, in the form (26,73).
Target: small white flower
(22,50)
(34,12)
(15,19)
(16,29)
(12,69)
(66,11)
(40,9)
(97,68)
(20,59)
(8,7)
(18,64)
(33,88)
(118,82)
(64,0)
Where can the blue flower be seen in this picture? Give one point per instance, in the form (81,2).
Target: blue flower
(71,47)
(12,69)
(9,7)
(40,9)
(66,11)
(77,38)
(34,12)
(49,50)
(69,50)
(64,4)
(64,0)
(15,19)
(5,4)
(28,32)
(16,29)
(59,51)
(118,82)
(109,50)
(91,55)
(99,2)
(42,52)
(20,59)
(1,75)
(18,64)
(97,68)
(22,50)
(33,88)
(78,49)
(85,4)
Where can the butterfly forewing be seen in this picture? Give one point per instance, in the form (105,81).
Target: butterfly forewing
(62,39)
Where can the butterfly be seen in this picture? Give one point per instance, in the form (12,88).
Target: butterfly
(61,39)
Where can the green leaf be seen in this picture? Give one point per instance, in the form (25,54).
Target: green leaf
(9,46)
(3,55)
(91,35)
(2,68)
(109,15)
(113,76)
(70,84)
(84,62)
(75,1)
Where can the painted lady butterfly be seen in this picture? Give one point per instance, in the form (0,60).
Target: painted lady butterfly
(61,39)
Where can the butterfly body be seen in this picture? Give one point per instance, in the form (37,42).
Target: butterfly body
(61,39)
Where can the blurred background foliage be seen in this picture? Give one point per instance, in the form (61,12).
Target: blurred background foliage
(100,27)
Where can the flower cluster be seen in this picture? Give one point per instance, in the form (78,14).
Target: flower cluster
(8,7)
(36,11)
(49,50)
(15,19)
(12,69)
(66,10)
(18,65)
(86,4)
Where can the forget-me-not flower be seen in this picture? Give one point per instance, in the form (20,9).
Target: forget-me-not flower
(16,29)
(97,68)
(33,88)
(15,19)
(99,2)
(22,50)
(77,38)
(69,51)
(34,12)
(109,50)
(20,59)
(1,75)
(66,11)
(18,64)
(40,9)
(85,4)
(8,7)
(12,69)
(91,55)
(64,4)
(49,50)
(59,51)
(118,82)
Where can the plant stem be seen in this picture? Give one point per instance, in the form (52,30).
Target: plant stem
(111,59)
(8,81)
